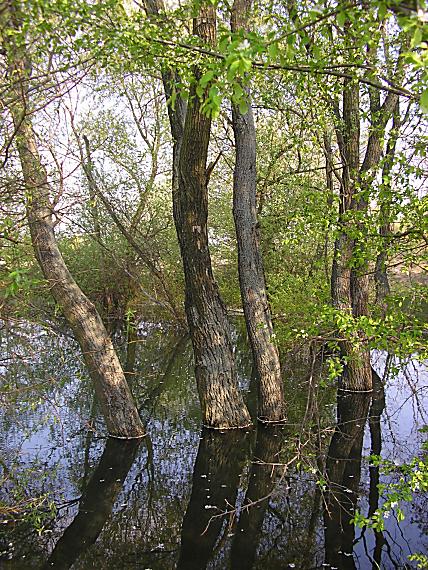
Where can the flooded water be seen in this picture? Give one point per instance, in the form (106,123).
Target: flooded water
(186,498)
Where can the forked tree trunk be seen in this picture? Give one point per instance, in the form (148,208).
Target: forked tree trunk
(271,405)
(350,282)
(117,405)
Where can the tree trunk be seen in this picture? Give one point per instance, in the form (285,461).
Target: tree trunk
(115,398)
(350,282)
(271,406)
(349,289)
(222,403)
(383,288)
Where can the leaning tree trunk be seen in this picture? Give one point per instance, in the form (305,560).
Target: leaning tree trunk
(117,405)
(350,280)
(222,404)
(271,405)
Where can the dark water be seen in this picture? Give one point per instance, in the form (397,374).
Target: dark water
(191,499)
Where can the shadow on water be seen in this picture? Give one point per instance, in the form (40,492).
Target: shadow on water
(96,503)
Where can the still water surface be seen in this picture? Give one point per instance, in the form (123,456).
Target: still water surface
(186,498)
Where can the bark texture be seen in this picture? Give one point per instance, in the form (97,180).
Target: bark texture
(222,403)
(271,406)
(117,405)
(350,282)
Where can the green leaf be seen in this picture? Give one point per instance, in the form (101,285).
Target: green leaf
(246,64)
(382,10)
(238,93)
(273,51)
(243,107)
(200,91)
(233,68)
(424,101)
(206,78)
(417,38)
(341,19)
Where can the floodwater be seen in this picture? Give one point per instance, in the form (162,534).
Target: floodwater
(186,498)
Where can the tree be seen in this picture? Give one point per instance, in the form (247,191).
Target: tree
(222,404)
(113,393)
(350,280)
(271,405)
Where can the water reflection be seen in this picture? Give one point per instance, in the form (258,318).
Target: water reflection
(343,469)
(266,470)
(215,483)
(96,503)
(376,410)
(177,486)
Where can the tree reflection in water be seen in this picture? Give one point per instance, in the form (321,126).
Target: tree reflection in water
(216,476)
(96,503)
(264,473)
(343,468)
(144,528)
(212,510)
(376,410)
